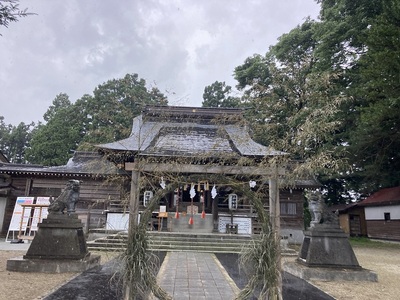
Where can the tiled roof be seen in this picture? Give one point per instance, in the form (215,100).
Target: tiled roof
(81,164)
(343,207)
(188,131)
(387,196)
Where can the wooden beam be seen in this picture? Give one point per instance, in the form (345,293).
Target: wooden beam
(205,169)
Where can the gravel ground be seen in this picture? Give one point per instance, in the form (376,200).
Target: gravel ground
(385,261)
(21,285)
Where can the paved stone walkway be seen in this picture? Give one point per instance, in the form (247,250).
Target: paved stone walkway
(195,276)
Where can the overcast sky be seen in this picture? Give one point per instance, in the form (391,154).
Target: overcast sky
(180,46)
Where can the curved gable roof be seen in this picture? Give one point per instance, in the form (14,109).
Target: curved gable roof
(188,131)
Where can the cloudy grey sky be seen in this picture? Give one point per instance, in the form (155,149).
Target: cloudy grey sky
(180,46)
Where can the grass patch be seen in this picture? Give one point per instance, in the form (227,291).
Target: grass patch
(366,242)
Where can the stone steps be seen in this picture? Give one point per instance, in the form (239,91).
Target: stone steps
(169,241)
(160,241)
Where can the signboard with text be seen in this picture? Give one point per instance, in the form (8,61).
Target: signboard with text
(244,224)
(17,217)
(40,213)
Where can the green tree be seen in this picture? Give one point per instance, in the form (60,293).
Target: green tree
(218,94)
(375,141)
(109,113)
(14,140)
(60,101)
(297,109)
(4,136)
(361,39)
(53,143)
(106,116)
(18,142)
(328,91)
(253,76)
(343,30)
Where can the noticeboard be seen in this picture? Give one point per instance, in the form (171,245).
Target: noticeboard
(15,224)
(243,223)
(40,213)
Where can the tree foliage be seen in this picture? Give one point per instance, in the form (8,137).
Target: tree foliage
(295,107)
(14,140)
(4,133)
(253,76)
(375,139)
(218,94)
(108,114)
(10,12)
(103,117)
(328,93)
(52,143)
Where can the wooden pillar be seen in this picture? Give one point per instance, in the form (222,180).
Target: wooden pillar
(215,213)
(272,201)
(208,200)
(275,215)
(133,214)
(274,205)
(134,198)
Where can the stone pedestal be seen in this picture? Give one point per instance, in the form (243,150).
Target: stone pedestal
(327,246)
(59,237)
(326,255)
(59,246)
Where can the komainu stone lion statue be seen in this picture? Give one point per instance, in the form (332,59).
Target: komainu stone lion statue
(67,199)
(320,214)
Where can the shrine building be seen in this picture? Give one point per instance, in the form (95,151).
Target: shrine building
(210,157)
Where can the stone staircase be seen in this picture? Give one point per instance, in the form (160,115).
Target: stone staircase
(174,241)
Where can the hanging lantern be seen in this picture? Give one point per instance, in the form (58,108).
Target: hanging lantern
(147,197)
(233,201)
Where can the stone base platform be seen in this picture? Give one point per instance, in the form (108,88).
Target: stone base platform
(329,274)
(20,264)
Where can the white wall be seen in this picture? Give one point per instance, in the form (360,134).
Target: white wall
(377,212)
(294,236)
(117,221)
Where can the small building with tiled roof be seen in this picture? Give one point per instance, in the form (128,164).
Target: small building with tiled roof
(382,214)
